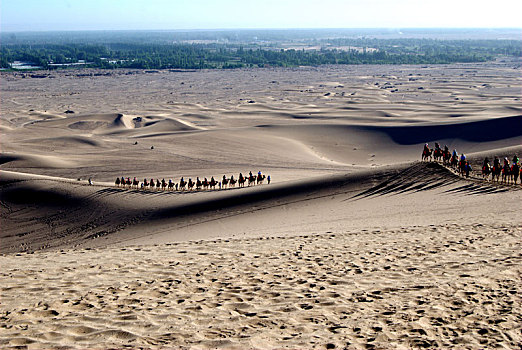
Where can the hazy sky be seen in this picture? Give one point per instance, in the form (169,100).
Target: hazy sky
(38,15)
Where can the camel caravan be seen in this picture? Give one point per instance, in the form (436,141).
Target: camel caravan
(508,173)
(190,185)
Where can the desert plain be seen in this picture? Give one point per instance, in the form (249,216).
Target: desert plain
(355,243)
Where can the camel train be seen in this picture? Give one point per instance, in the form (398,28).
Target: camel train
(190,185)
(506,173)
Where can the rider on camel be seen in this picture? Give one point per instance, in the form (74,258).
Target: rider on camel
(426,148)
(486,165)
(467,168)
(515,159)
(462,162)
(437,146)
(496,162)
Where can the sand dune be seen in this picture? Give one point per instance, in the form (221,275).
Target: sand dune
(68,141)
(163,216)
(374,288)
(354,244)
(34,161)
(152,126)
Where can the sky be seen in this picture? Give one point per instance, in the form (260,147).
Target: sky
(53,15)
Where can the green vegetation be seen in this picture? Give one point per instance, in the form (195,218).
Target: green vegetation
(123,50)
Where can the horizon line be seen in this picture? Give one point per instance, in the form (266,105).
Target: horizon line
(249,29)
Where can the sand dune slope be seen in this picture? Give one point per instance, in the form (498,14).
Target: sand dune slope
(442,286)
(48,212)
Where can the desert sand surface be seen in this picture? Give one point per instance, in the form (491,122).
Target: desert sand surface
(353,244)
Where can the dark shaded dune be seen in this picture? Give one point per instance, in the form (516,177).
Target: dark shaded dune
(241,199)
(42,214)
(476,131)
(118,121)
(7,158)
(47,213)
(34,196)
(401,179)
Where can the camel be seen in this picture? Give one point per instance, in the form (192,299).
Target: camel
(446,156)
(506,173)
(495,172)
(212,184)
(427,154)
(251,180)
(241,181)
(182,184)
(437,154)
(515,172)
(486,170)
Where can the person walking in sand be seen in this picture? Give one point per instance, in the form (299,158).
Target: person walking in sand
(268,179)
(90,182)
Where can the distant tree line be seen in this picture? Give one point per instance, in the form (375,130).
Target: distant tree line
(216,55)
